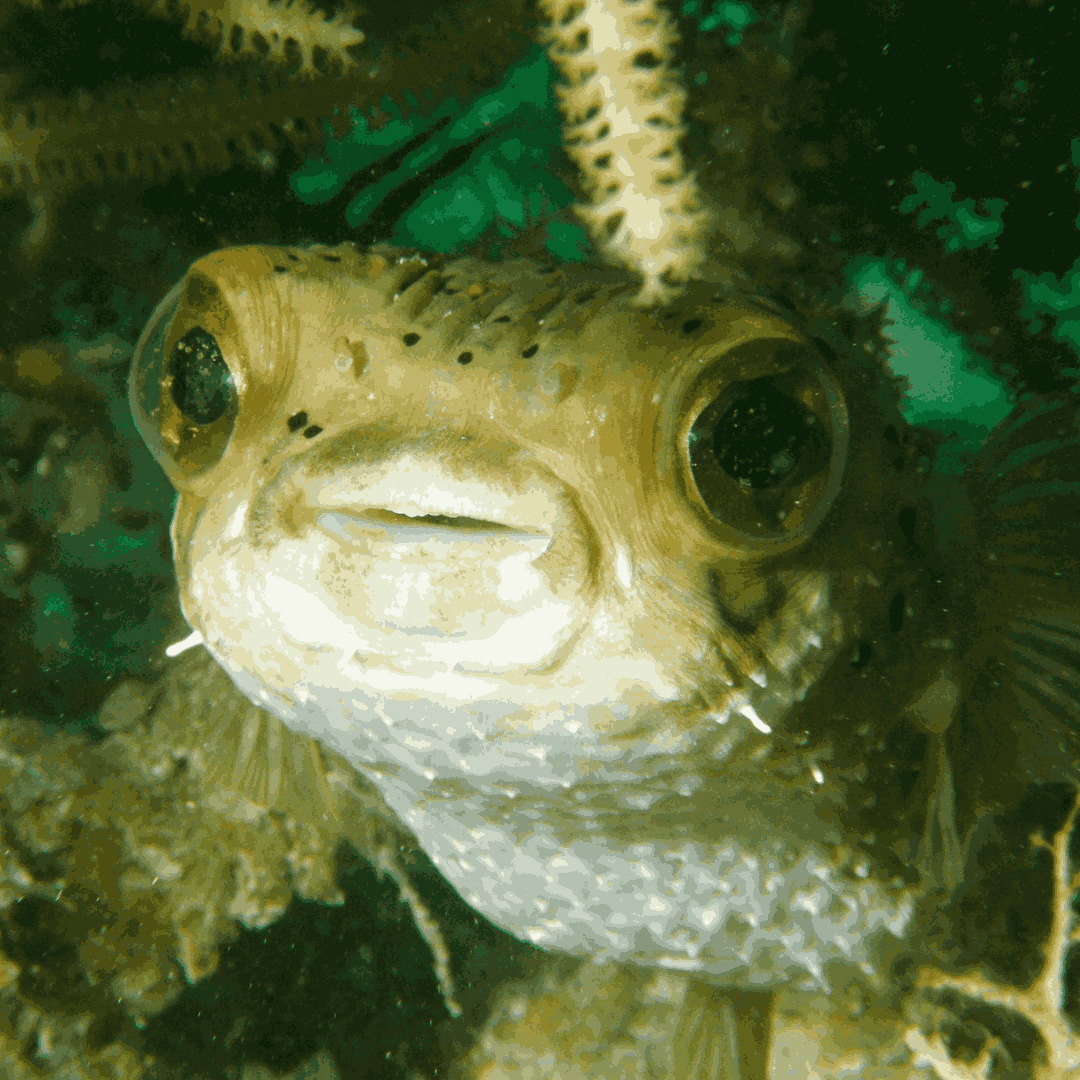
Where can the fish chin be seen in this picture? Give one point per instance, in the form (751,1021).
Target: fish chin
(664,850)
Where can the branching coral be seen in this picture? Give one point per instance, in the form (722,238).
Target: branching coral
(623,104)
(49,145)
(307,72)
(622,96)
(1042,1003)
(250,29)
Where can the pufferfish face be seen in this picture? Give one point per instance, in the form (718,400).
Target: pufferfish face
(514,547)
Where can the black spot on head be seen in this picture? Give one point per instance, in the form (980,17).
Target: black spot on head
(292,257)
(611,224)
(465,358)
(311,432)
(647,60)
(420,271)
(671,314)
(690,326)
(410,339)
(826,350)
(297,421)
(329,258)
(897,610)
(548,269)
(502,318)
(863,656)
(532,350)
(280,269)
(891,436)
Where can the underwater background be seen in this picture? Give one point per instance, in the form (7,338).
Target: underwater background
(932,157)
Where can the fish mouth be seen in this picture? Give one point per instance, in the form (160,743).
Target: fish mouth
(415,495)
(358,526)
(480,565)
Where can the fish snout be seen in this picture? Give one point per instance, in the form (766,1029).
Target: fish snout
(478,573)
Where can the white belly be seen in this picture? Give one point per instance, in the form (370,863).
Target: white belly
(662,864)
(716,908)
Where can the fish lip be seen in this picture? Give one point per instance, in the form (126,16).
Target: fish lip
(352,526)
(416,486)
(392,519)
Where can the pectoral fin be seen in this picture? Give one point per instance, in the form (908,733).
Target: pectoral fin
(723,1034)
(1015,600)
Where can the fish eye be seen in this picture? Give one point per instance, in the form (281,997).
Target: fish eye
(199,380)
(760,436)
(766,451)
(184,395)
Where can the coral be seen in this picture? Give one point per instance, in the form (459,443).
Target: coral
(623,105)
(272,29)
(1042,1003)
(52,144)
(291,67)
(576,1020)
(136,856)
(295,74)
(646,211)
(614,1022)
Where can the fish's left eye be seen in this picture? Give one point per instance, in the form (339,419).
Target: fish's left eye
(184,393)
(200,382)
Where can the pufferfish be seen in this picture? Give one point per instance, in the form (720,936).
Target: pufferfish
(621,610)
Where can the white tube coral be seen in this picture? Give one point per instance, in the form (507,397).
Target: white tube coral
(623,103)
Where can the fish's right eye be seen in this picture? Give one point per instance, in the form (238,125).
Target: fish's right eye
(765,451)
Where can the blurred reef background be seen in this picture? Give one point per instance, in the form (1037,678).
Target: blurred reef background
(906,158)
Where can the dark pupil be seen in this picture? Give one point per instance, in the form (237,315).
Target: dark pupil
(760,439)
(200,377)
